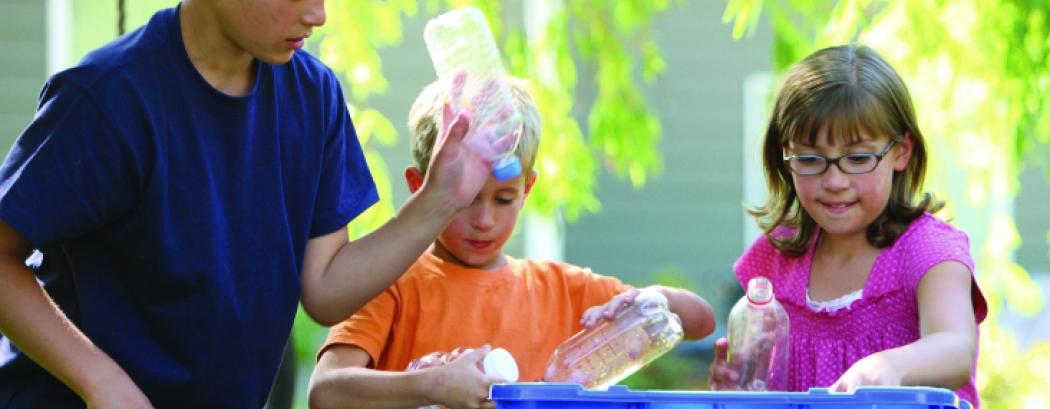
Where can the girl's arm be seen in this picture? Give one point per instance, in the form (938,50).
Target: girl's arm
(341,379)
(697,319)
(943,357)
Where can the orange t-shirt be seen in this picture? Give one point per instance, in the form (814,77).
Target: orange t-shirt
(526,307)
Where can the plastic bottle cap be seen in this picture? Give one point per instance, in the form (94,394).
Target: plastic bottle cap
(760,291)
(507,169)
(501,364)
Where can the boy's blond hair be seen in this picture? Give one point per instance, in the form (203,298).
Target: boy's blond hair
(424,123)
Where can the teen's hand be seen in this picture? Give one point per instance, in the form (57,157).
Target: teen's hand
(723,377)
(872,370)
(608,310)
(464,384)
(457,168)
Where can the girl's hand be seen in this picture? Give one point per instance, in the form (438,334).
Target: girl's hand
(609,309)
(873,370)
(723,377)
(463,384)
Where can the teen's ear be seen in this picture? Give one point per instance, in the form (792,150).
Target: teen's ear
(904,149)
(414,177)
(530,182)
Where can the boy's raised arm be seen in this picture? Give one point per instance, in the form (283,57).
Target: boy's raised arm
(32,321)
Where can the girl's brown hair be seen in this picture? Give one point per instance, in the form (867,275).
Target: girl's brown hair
(844,90)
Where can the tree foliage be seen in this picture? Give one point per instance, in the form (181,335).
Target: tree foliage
(979,74)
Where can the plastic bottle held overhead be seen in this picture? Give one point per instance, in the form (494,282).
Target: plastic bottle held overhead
(612,350)
(758,329)
(460,42)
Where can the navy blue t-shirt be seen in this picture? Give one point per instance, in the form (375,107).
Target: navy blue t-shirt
(171,219)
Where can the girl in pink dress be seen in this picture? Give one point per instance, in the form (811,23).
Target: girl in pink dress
(878,291)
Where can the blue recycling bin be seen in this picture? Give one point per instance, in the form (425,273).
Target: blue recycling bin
(573,396)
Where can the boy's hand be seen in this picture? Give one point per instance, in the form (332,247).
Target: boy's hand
(608,310)
(463,385)
(872,370)
(723,377)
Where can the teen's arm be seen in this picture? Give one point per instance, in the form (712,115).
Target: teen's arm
(943,357)
(341,379)
(698,320)
(33,323)
(339,277)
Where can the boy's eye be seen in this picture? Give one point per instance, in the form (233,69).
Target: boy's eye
(506,200)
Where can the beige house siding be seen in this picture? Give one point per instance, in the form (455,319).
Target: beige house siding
(23,40)
(690,218)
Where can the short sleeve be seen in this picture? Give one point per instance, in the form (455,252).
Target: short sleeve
(368,328)
(69,172)
(346,189)
(589,289)
(932,243)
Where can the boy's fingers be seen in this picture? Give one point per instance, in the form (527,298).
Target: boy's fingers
(486,92)
(446,116)
(505,142)
(459,82)
(479,354)
(459,127)
(456,90)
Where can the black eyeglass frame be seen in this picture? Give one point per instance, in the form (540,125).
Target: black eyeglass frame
(829,161)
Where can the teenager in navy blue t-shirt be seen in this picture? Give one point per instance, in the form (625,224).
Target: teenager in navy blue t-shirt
(182,187)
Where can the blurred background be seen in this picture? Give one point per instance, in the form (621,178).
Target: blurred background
(653,111)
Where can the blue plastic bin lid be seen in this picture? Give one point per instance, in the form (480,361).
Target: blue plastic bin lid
(572,396)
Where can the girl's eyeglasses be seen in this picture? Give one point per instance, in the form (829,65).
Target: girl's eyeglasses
(852,163)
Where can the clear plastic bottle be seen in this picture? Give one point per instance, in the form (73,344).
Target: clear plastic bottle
(758,339)
(612,350)
(460,42)
(498,362)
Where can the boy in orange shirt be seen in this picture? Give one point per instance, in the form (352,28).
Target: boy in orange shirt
(464,292)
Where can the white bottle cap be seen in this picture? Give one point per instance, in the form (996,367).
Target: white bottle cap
(501,364)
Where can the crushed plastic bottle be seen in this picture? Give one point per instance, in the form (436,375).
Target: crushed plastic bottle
(460,42)
(758,339)
(498,362)
(614,349)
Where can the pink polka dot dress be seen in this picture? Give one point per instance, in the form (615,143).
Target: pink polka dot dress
(825,343)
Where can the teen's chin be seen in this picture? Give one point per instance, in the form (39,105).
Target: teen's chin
(276,57)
